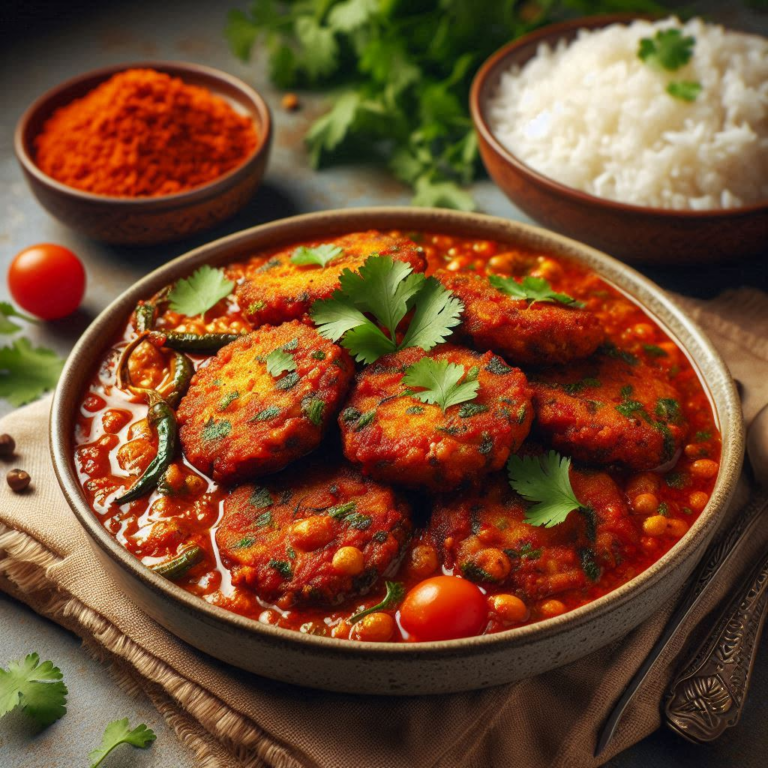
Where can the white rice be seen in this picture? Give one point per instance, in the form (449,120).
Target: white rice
(593,116)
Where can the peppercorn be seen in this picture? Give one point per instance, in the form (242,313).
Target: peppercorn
(7,446)
(18,480)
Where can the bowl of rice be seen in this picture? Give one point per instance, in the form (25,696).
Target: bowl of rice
(647,139)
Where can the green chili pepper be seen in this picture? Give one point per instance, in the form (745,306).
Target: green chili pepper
(145,317)
(179,565)
(182,375)
(163,419)
(192,342)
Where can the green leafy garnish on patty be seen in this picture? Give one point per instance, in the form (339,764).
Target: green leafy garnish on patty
(441,383)
(279,361)
(314,410)
(545,481)
(283,567)
(215,430)
(196,294)
(386,290)
(532,289)
(320,255)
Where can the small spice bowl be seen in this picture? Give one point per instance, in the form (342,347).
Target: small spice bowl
(629,232)
(147,220)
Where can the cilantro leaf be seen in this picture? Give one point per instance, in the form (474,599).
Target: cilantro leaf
(196,294)
(386,289)
(279,361)
(240,33)
(545,481)
(321,255)
(7,310)
(352,14)
(330,130)
(394,596)
(319,48)
(117,733)
(441,194)
(26,372)
(533,289)
(685,90)
(437,312)
(668,50)
(36,687)
(440,381)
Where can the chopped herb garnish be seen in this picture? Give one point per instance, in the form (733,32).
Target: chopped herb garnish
(260,498)
(626,391)
(279,361)
(498,367)
(264,519)
(414,410)
(313,410)
(291,346)
(703,436)
(393,597)
(474,572)
(654,351)
(320,255)
(350,414)
(668,409)
(246,541)
(267,413)
(440,382)
(577,386)
(591,519)
(341,510)
(532,289)
(486,444)
(282,567)
(358,520)
(588,565)
(632,409)
(318,354)
(612,350)
(676,480)
(365,420)
(288,382)
(663,509)
(380,536)
(215,430)
(545,481)
(255,306)
(291,552)
(468,410)
(227,400)
(387,289)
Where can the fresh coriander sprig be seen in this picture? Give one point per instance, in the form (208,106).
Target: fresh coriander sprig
(36,687)
(7,310)
(320,255)
(442,383)
(387,289)
(545,481)
(26,372)
(669,51)
(196,294)
(117,733)
(395,594)
(532,289)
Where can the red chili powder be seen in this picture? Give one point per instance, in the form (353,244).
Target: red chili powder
(143,133)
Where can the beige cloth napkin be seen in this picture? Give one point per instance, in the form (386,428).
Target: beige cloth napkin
(233,719)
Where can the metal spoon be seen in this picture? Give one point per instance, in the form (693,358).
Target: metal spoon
(707,696)
(717,556)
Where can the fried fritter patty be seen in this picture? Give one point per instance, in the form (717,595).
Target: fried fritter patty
(315,536)
(238,421)
(280,290)
(482,535)
(397,438)
(542,333)
(611,409)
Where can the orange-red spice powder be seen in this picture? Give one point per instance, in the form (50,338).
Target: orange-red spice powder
(143,133)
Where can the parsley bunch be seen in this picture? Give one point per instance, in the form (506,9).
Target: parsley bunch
(400,74)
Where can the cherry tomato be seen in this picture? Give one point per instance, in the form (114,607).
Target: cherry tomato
(47,281)
(444,608)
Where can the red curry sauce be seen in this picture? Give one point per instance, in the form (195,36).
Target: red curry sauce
(115,444)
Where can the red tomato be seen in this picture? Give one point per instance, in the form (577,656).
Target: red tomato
(444,608)
(47,281)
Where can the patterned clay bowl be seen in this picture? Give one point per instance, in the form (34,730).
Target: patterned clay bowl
(629,232)
(381,668)
(147,220)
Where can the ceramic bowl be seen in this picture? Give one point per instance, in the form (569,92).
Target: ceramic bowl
(147,220)
(381,668)
(629,232)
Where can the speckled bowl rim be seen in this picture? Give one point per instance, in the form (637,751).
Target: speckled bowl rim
(81,362)
(480,93)
(138,205)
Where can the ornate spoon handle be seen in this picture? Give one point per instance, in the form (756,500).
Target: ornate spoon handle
(707,696)
(713,562)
